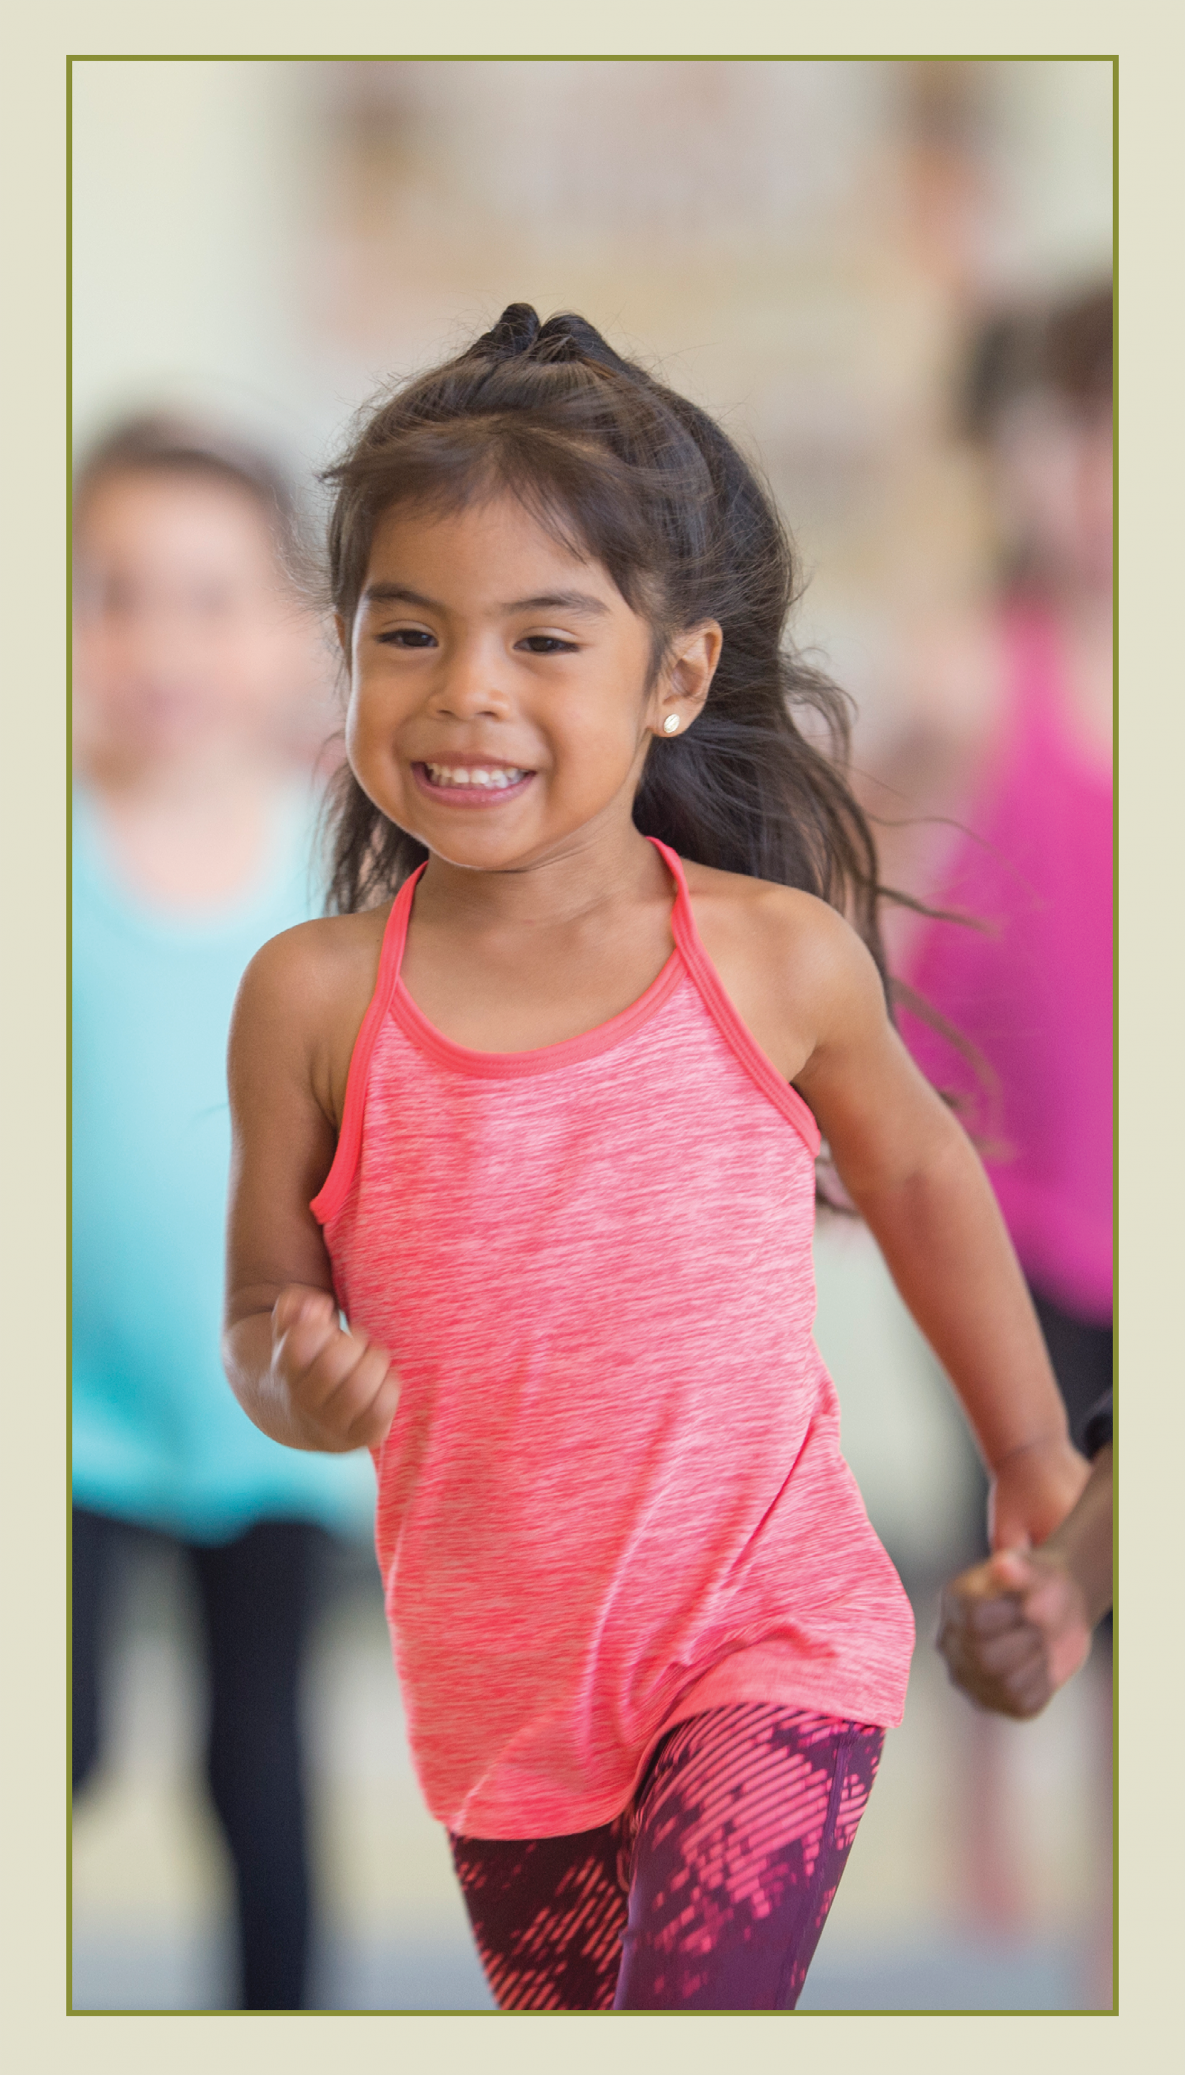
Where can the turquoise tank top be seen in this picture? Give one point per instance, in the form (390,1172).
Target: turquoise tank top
(158,1436)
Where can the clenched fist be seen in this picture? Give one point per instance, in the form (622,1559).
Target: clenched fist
(1013,1630)
(340,1389)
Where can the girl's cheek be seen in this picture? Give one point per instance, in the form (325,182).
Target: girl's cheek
(369,747)
(354,732)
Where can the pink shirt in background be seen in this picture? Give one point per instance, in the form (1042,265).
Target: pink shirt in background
(1034,993)
(613,1493)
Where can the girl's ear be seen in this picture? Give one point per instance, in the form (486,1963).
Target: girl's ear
(687,678)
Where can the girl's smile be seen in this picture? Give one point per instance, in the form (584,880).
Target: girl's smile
(471,785)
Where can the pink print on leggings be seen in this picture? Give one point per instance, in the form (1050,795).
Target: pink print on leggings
(708,1893)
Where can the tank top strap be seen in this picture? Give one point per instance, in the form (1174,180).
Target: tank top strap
(349,1143)
(701,970)
(395,938)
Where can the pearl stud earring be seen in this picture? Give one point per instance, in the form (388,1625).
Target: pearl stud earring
(670,725)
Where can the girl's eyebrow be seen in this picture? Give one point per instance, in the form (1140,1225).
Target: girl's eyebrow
(402,594)
(549,601)
(559,601)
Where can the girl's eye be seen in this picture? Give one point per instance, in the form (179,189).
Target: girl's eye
(547,645)
(407,637)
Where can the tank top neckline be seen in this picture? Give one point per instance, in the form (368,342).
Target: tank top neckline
(586,1044)
(688,959)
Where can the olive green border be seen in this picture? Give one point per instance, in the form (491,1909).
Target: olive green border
(733,57)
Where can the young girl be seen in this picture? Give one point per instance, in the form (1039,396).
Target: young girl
(538,1111)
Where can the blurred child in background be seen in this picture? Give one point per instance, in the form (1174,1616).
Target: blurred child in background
(1031,780)
(195,671)
(1015,757)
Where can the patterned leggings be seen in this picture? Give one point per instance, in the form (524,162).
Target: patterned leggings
(709,1892)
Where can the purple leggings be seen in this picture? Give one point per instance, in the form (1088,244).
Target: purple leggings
(709,1892)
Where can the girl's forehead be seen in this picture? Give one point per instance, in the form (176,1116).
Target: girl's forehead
(498,517)
(491,542)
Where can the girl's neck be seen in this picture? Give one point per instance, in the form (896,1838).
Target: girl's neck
(596,871)
(518,960)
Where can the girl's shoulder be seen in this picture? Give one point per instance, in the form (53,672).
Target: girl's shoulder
(788,961)
(305,993)
(325,954)
(775,921)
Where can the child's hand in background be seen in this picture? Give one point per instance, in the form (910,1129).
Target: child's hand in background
(1014,1629)
(342,1391)
(1017,1627)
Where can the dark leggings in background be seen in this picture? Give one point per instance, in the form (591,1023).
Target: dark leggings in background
(1082,1354)
(709,1893)
(256,1595)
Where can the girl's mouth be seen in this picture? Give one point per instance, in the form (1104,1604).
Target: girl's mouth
(472,785)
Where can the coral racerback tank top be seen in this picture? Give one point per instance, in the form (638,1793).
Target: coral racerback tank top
(612,1494)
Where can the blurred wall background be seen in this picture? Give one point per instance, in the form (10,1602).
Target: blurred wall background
(807,248)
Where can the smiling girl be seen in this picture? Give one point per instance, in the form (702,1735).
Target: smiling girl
(537,1110)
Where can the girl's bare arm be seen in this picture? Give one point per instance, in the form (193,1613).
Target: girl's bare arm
(297,1374)
(919,1185)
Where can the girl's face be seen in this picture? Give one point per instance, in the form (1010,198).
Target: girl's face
(500,699)
(185,633)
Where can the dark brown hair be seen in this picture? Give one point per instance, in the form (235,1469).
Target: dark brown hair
(624,470)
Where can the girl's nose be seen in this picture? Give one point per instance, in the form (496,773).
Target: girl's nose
(470,688)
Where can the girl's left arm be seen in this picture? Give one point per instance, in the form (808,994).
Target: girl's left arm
(916,1180)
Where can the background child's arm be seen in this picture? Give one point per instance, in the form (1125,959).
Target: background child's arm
(295,1372)
(1017,1627)
(916,1180)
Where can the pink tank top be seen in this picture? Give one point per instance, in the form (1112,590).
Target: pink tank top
(613,1493)
(1034,991)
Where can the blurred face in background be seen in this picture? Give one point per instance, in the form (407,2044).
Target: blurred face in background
(1052,462)
(188,639)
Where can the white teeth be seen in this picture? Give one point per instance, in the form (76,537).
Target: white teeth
(496,779)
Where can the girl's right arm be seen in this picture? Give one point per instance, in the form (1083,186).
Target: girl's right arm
(297,1374)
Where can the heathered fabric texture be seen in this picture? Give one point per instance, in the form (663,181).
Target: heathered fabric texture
(612,1495)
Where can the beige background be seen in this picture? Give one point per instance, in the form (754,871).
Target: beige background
(32,1942)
